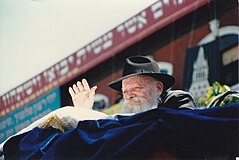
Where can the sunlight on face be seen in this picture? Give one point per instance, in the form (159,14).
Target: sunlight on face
(140,94)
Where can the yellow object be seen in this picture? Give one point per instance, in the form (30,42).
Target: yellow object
(59,123)
(114,109)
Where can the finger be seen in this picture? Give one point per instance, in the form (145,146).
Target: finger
(80,87)
(72,93)
(85,85)
(92,91)
(76,89)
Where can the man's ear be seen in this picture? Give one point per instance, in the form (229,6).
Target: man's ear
(160,87)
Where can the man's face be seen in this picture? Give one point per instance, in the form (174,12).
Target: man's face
(140,93)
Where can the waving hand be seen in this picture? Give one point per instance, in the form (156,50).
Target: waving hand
(82,95)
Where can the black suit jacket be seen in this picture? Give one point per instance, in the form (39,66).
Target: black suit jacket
(177,99)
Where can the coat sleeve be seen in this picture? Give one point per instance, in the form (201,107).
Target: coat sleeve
(178,99)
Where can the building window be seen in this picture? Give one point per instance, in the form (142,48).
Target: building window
(230,66)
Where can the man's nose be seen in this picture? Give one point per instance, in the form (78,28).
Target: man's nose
(129,95)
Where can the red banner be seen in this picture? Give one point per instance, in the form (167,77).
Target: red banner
(158,15)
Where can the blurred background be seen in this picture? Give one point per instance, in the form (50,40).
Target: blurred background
(46,47)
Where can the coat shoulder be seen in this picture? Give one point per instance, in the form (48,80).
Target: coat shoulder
(179,99)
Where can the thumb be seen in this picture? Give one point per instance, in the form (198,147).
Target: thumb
(92,91)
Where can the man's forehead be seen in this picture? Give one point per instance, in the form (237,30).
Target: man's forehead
(135,80)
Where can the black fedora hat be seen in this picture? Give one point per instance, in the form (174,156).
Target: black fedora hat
(142,65)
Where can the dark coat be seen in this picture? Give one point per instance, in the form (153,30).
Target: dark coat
(177,99)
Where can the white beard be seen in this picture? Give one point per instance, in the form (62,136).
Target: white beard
(142,103)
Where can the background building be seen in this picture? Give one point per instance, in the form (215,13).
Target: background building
(197,40)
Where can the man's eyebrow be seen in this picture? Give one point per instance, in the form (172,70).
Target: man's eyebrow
(135,86)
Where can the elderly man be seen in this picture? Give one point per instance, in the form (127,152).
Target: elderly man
(143,88)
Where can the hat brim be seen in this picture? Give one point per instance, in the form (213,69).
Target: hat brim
(166,79)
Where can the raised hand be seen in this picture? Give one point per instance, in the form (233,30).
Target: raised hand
(82,95)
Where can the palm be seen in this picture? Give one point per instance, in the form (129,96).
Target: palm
(82,99)
(82,95)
